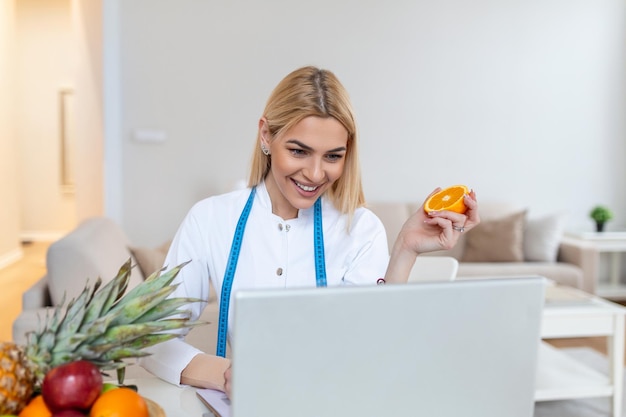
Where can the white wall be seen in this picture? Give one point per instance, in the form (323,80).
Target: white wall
(44,47)
(9,215)
(45,63)
(522,100)
(88,78)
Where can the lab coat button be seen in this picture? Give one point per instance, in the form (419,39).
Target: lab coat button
(280,227)
(279,271)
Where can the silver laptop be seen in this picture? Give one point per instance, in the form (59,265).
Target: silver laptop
(441,349)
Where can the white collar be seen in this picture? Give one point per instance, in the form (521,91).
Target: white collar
(264,200)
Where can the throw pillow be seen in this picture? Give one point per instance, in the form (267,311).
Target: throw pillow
(498,240)
(542,237)
(150,259)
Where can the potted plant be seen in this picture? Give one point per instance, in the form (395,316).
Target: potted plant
(601,215)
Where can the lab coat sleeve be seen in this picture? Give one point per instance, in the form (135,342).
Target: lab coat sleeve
(370,256)
(168,359)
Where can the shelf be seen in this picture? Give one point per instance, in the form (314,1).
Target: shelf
(617,235)
(559,376)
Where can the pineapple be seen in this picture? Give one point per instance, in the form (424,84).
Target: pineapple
(104,325)
(16,380)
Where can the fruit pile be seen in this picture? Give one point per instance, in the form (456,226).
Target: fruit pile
(102,326)
(76,389)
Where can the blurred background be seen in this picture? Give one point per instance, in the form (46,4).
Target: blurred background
(138,109)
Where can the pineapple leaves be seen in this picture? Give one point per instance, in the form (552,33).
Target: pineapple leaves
(127,311)
(74,314)
(109,294)
(128,332)
(167,308)
(153,282)
(106,324)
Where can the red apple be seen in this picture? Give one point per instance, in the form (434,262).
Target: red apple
(69,412)
(74,385)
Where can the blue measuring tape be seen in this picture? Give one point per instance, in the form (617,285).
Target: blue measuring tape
(318,241)
(231,266)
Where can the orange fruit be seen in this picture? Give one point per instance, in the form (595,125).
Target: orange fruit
(119,402)
(450,198)
(36,408)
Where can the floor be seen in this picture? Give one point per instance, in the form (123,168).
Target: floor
(16,278)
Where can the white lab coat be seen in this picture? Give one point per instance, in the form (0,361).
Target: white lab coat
(275,253)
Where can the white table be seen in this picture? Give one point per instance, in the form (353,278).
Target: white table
(175,401)
(572,313)
(614,245)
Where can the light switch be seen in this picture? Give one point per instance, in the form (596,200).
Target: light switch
(149,135)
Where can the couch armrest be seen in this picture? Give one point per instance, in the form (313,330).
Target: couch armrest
(37,296)
(585,256)
(26,322)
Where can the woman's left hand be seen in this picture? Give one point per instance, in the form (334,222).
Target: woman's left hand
(426,232)
(439,230)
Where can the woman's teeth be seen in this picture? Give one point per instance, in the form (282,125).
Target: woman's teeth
(306,188)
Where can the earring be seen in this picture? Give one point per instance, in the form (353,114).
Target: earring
(265,151)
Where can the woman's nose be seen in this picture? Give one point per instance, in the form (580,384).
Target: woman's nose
(315,170)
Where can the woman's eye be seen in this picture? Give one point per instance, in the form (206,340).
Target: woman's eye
(333,157)
(298,152)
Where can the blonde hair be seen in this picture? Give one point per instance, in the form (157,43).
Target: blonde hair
(310,91)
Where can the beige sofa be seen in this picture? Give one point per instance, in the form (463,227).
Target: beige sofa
(510,242)
(98,247)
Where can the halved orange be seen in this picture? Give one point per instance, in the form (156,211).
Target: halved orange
(450,198)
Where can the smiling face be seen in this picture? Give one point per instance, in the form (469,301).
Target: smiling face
(305,161)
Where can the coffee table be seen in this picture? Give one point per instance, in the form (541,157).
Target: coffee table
(569,313)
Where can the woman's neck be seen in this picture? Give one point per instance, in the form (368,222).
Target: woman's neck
(280,206)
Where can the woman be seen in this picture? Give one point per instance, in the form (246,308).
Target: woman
(301,222)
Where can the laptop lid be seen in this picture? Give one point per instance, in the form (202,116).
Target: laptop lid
(440,349)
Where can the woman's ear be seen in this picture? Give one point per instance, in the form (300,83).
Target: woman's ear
(264,132)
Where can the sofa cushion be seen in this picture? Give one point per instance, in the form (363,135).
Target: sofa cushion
(499,240)
(542,237)
(150,260)
(96,248)
(493,210)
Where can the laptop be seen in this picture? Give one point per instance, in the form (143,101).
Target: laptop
(444,349)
